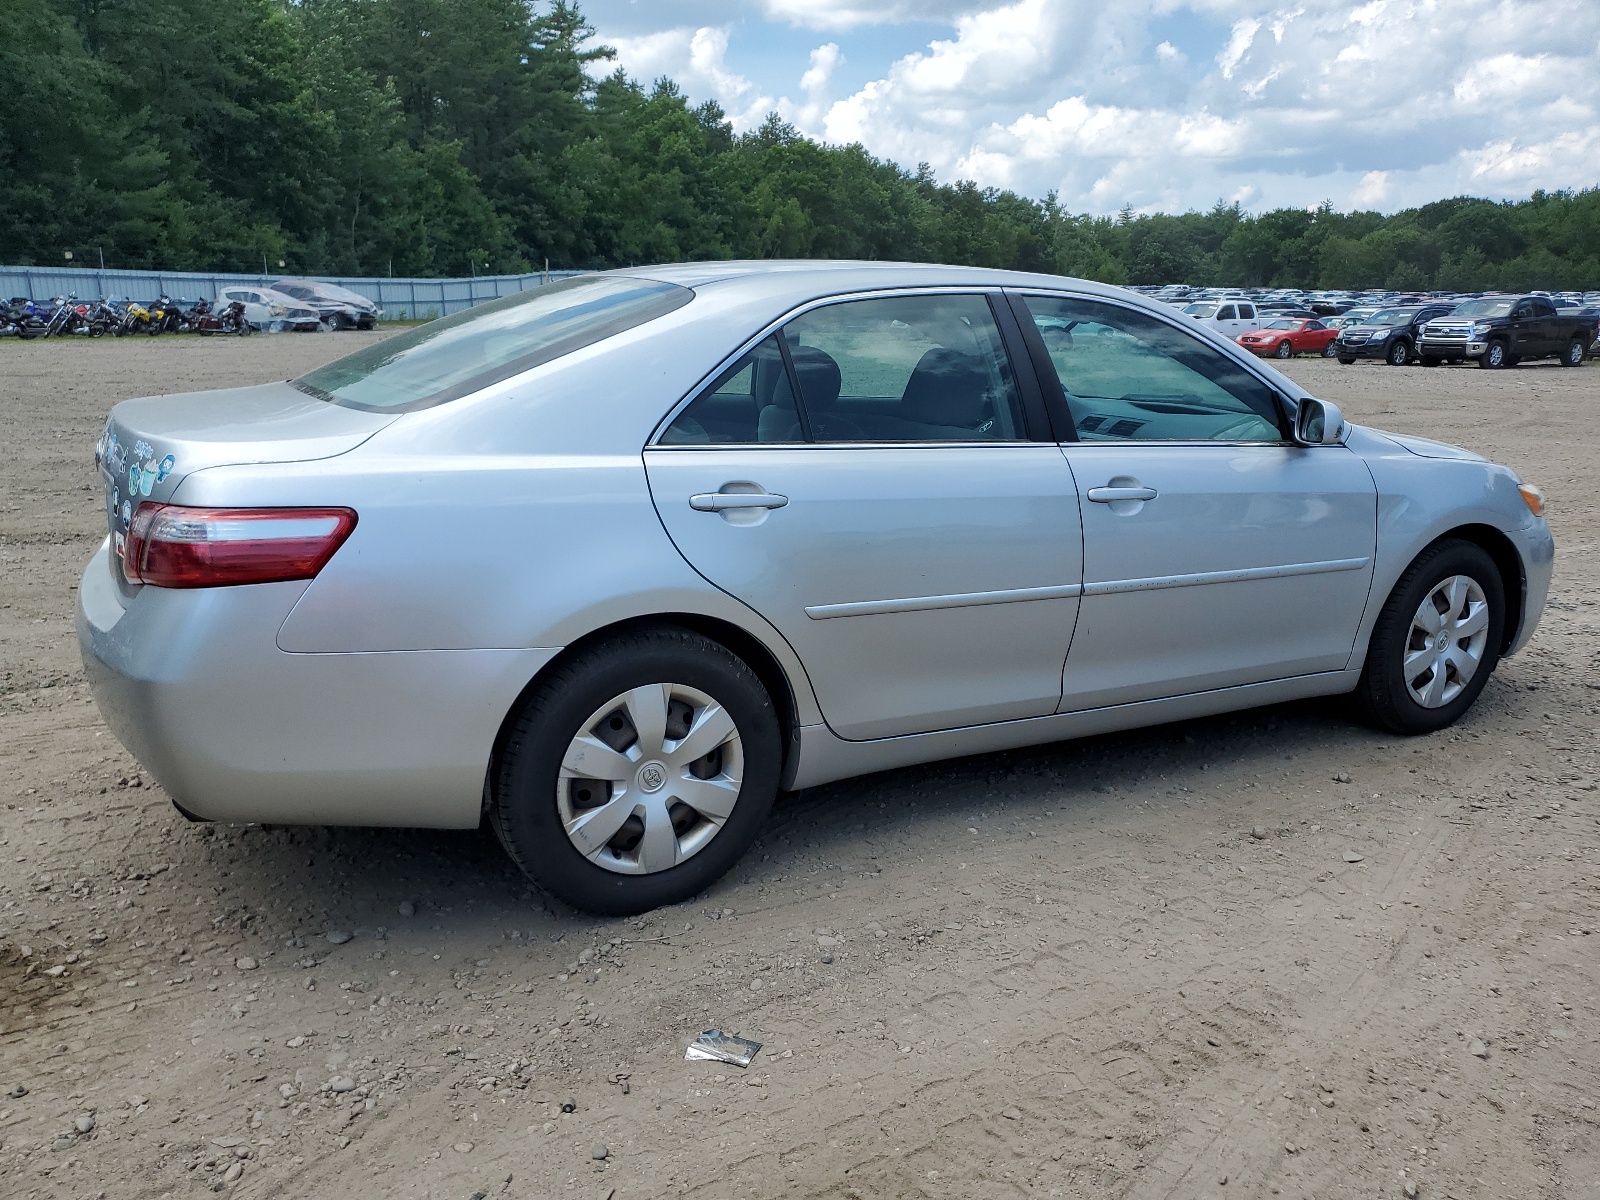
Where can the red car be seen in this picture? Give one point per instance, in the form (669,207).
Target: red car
(1288,336)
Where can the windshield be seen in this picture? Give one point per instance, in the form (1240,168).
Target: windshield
(458,355)
(1485,308)
(1391,316)
(1282,325)
(1201,310)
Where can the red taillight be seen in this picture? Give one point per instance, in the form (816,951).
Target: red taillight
(172,546)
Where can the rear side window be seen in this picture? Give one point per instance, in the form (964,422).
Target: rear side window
(905,369)
(458,355)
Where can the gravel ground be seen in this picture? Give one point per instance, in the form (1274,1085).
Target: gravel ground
(1273,954)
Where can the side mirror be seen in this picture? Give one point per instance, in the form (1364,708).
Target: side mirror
(1319,423)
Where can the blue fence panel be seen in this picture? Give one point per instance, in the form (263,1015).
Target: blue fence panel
(401,299)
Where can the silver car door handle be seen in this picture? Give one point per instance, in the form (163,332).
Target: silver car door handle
(722,501)
(1107,495)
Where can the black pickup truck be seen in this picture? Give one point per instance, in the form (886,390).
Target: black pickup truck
(1501,331)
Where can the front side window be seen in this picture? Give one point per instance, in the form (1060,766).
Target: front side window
(461,354)
(1227,313)
(905,369)
(1131,377)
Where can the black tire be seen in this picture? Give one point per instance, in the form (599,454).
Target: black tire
(523,808)
(1493,357)
(1331,350)
(1346,362)
(1399,353)
(1284,350)
(1382,695)
(1575,353)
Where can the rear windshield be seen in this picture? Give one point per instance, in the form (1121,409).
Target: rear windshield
(1485,308)
(458,355)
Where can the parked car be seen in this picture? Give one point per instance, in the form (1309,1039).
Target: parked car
(1287,337)
(265,308)
(1501,331)
(337,307)
(611,561)
(1229,318)
(1390,334)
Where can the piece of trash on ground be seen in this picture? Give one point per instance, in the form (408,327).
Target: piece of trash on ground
(715,1046)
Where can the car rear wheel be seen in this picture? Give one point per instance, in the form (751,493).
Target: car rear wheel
(1399,353)
(638,772)
(1493,356)
(1330,351)
(1574,354)
(1284,350)
(1436,642)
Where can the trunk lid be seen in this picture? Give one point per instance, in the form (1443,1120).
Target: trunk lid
(151,444)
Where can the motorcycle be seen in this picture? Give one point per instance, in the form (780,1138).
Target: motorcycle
(21,318)
(205,321)
(135,319)
(166,316)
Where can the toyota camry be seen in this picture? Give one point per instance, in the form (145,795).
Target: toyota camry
(610,562)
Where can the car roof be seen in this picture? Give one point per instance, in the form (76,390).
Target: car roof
(806,278)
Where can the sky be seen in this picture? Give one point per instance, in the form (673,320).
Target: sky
(1165,105)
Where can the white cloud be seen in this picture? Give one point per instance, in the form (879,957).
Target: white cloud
(1244,32)
(852,14)
(1372,191)
(697,60)
(1373,103)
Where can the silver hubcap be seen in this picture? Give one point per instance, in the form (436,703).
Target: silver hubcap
(650,778)
(1448,636)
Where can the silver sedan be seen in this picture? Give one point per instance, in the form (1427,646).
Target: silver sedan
(610,562)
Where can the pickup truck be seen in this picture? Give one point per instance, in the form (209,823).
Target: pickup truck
(1501,331)
(1230,318)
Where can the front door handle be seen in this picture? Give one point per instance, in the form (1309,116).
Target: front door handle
(723,501)
(1111,494)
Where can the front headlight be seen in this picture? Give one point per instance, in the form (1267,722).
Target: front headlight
(1380,335)
(1479,330)
(1533,498)
(278,310)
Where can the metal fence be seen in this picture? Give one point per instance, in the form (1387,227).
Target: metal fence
(400,299)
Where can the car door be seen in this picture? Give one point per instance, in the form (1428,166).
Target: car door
(1247,319)
(1549,326)
(1216,552)
(1527,340)
(866,481)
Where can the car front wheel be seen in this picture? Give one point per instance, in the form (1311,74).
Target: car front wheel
(638,772)
(1436,642)
(1399,353)
(1284,350)
(1493,356)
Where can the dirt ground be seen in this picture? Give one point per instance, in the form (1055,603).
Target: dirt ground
(1065,971)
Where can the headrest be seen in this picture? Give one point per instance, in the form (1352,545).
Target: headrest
(947,388)
(819,377)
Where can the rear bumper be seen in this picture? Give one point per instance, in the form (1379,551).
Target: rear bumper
(194,685)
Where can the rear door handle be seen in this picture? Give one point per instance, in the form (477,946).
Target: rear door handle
(1109,495)
(723,501)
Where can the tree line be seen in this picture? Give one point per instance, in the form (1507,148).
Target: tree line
(448,137)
